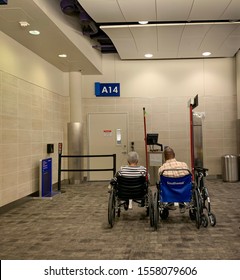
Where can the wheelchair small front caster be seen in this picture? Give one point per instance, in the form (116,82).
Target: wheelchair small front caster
(204,220)
(212,219)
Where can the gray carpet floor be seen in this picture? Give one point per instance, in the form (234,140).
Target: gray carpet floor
(74,226)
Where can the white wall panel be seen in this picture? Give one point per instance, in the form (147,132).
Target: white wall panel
(164,87)
(19,61)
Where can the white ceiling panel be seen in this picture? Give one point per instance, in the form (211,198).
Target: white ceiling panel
(232,12)
(161,10)
(174,10)
(174,40)
(218,35)
(145,38)
(208,10)
(143,10)
(169,37)
(191,40)
(229,45)
(103,10)
(122,37)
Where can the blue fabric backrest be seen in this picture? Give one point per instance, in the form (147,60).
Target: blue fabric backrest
(176,189)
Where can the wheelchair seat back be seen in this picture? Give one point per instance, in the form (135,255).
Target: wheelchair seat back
(178,189)
(134,187)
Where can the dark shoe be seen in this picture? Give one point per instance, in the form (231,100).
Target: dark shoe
(125,205)
(142,203)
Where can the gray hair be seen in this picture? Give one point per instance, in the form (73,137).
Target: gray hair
(133,157)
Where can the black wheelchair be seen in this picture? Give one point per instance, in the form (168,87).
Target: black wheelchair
(180,190)
(122,189)
(205,202)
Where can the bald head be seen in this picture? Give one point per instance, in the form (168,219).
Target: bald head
(169,153)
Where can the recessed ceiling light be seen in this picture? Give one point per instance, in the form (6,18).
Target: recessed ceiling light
(143,22)
(206,53)
(62,55)
(34,32)
(148,55)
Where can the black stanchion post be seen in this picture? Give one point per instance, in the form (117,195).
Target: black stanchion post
(59,165)
(114,164)
(145,140)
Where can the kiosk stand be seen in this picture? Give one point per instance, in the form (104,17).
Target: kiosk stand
(155,157)
(45,176)
(45,179)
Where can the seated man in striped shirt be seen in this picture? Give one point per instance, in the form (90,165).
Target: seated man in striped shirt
(172,163)
(132,170)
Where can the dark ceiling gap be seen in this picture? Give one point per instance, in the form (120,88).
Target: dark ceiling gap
(88,26)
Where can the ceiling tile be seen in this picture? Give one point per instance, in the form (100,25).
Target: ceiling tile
(103,10)
(145,10)
(208,10)
(173,10)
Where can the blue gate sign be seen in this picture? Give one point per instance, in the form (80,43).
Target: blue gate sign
(45,188)
(107,89)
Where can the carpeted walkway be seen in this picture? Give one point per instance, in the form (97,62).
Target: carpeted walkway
(73,225)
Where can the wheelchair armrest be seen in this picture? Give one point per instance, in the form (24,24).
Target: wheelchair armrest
(201,170)
(113,181)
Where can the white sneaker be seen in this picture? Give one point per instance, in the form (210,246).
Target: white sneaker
(130,204)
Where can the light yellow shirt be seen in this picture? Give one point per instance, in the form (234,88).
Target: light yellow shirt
(174,164)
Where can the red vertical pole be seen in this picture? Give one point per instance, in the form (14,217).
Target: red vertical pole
(145,140)
(191,141)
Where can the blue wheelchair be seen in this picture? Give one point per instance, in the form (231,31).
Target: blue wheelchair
(180,190)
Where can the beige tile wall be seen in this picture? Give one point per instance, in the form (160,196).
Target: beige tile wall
(170,118)
(30,117)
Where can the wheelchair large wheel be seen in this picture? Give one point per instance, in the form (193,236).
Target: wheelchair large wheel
(151,208)
(197,206)
(192,214)
(118,212)
(111,208)
(156,210)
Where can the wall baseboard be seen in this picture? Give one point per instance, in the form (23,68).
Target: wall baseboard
(16,203)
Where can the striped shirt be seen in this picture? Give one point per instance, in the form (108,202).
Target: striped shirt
(133,171)
(174,164)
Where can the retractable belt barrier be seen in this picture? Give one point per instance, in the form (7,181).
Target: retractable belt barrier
(60,156)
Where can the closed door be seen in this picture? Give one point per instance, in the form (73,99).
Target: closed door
(107,134)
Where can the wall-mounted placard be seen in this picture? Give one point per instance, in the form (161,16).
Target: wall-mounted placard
(107,89)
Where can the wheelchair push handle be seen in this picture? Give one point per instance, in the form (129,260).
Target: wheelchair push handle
(177,170)
(201,170)
(132,174)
